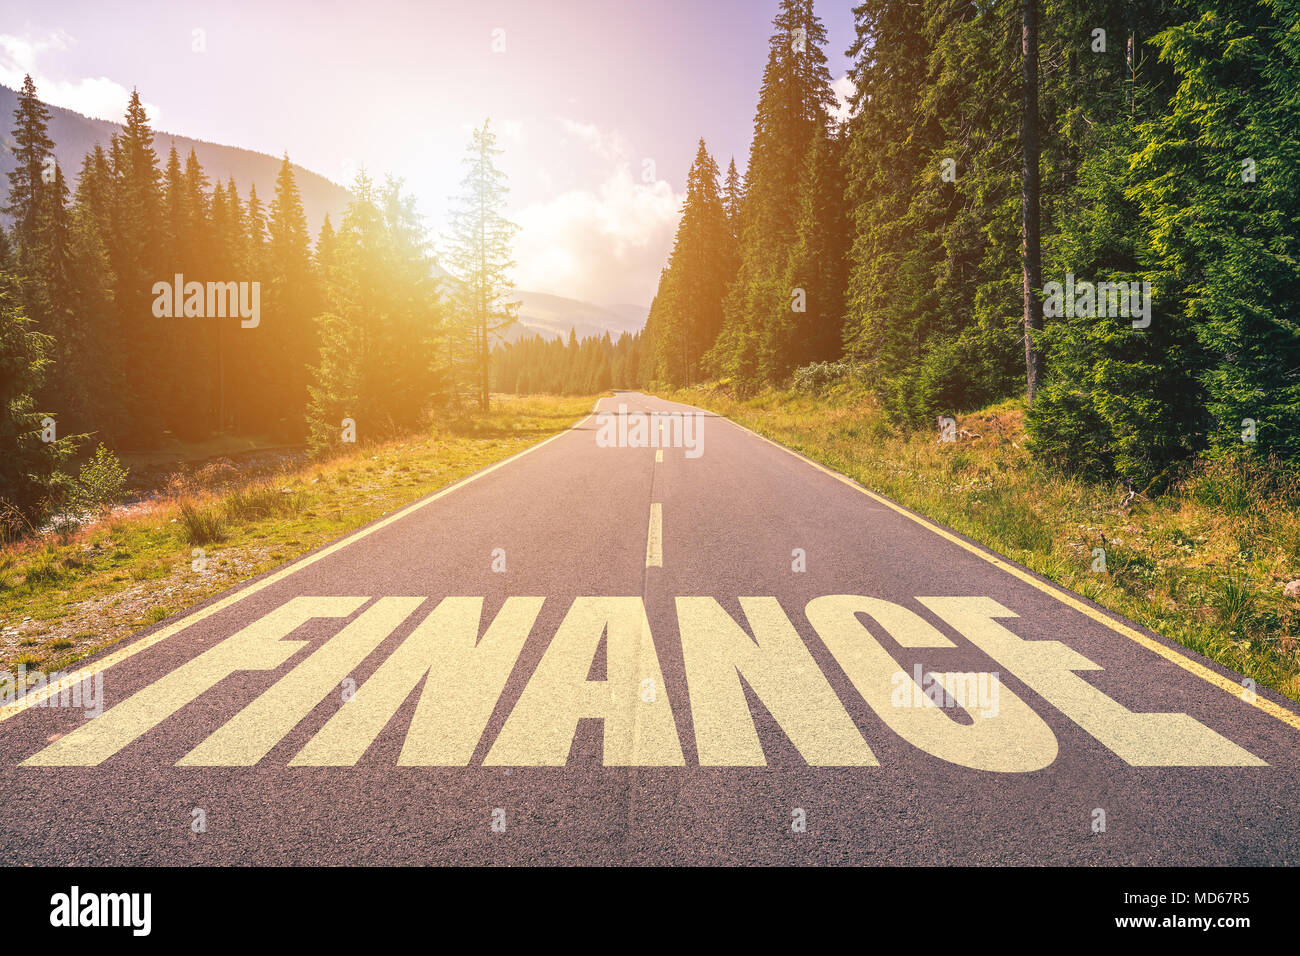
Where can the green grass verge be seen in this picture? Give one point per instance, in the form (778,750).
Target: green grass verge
(63,597)
(1203,565)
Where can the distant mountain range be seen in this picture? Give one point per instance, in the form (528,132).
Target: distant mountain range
(552,316)
(75,135)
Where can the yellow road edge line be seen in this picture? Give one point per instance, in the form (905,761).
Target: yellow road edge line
(116,657)
(1168,653)
(654,543)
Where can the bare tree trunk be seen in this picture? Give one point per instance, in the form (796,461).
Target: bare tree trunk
(483,368)
(1130,55)
(1031,253)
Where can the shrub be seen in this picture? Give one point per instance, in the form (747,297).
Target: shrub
(101,484)
(201,525)
(255,502)
(815,378)
(44,570)
(1234,601)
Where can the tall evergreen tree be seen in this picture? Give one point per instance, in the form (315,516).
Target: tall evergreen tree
(1030,224)
(818,262)
(33,155)
(291,300)
(733,201)
(1114,400)
(381,333)
(935,302)
(101,339)
(479,254)
(137,254)
(26,460)
(794,103)
(1220,189)
(688,315)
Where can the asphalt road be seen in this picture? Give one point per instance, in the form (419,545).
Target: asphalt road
(701,653)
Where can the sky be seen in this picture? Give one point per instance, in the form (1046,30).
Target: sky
(598,104)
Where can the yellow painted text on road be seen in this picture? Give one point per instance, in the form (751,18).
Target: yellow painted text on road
(249,736)
(1010,738)
(465,678)
(783,675)
(630,701)
(1143,740)
(257,647)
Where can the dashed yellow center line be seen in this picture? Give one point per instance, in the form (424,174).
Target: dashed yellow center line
(659,456)
(654,545)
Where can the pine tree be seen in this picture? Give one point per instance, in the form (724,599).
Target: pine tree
(818,262)
(137,254)
(1220,189)
(323,254)
(51,301)
(1030,196)
(891,295)
(733,201)
(794,103)
(381,333)
(234,362)
(479,254)
(291,300)
(1115,401)
(936,291)
(27,462)
(101,340)
(33,156)
(688,316)
(94,195)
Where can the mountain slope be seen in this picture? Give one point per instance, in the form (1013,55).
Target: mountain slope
(552,316)
(75,135)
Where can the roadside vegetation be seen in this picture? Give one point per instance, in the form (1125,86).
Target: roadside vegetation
(1205,563)
(79,588)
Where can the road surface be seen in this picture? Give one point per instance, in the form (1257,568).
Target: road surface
(603,651)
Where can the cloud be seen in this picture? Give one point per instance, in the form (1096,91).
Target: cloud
(512,131)
(602,245)
(22,52)
(610,146)
(843,89)
(96,96)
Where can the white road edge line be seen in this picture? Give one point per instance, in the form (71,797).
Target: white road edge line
(1237,690)
(202,614)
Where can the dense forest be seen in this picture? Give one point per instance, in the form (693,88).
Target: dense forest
(149,306)
(1090,205)
(992,149)
(533,365)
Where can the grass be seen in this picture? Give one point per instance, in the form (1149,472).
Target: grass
(1203,565)
(202,525)
(65,596)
